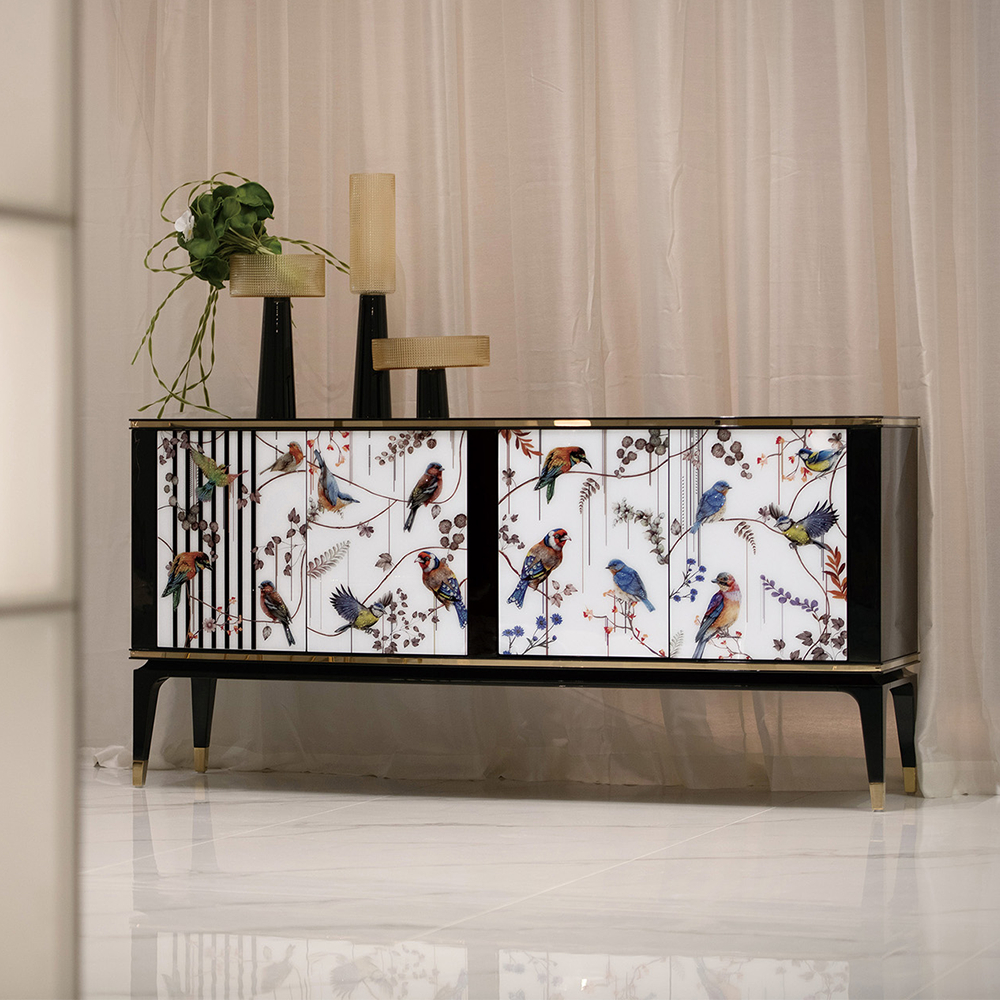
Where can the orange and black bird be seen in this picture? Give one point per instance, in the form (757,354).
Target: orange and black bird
(274,607)
(427,490)
(542,558)
(443,584)
(184,567)
(558,461)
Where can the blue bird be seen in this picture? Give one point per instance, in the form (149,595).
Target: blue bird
(819,461)
(628,584)
(712,505)
(331,496)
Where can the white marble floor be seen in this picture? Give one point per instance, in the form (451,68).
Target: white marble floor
(312,886)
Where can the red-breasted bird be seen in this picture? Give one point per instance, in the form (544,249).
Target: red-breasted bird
(542,558)
(810,529)
(356,614)
(290,461)
(427,490)
(443,584)
(712,505)
(558,461)
(274,607)
(820,461)
(331,497)
(215,474)
(722,611)
(628,584)
(183,567)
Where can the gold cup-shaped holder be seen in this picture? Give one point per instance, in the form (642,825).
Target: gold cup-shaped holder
(277,276)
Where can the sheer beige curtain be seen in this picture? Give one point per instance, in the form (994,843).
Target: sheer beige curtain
(651,208)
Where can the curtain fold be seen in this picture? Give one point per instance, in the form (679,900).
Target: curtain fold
(758,208)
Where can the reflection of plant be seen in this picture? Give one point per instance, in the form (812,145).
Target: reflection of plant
(221,220)
(653,523)
(541,638)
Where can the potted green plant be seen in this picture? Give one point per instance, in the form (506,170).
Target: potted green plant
(221,220)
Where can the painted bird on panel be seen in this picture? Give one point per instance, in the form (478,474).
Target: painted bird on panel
(722,611)
(629,587)
(331,496)
(356,614)
(290,461)
(810,529)
(443,584)
(184,567)
(820,461)
(426,491)
(215,474)
(558,461)
(274,607)
(712,505)
(542,558)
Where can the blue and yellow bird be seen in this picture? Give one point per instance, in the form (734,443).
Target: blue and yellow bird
(331,496)
(184,567)
(810,529)
(558,461)
(443,584)
(722,611)
(820,461)
(542,558)
(629,588)
(274,607)
(712,505)
(356,614)
(427,490)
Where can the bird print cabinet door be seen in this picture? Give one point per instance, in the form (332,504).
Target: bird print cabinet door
(314,541)
(694,544)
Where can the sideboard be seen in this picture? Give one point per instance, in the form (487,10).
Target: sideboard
(660,553)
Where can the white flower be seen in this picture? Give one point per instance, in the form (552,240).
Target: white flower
(185,225)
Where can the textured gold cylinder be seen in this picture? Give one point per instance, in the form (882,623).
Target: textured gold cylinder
(430,352)
(373,234)
(277,276)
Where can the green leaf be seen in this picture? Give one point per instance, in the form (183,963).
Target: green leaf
(256,196)
(214,270)
(222,192)
(203,205)
(204,228)
(201,249)
(272,243)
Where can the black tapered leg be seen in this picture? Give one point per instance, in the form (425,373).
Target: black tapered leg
(432,394)
(276,373)
(871,702)
(904,701)
(146,684)
(372,398)
(202,708)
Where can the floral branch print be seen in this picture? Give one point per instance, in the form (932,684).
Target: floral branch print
(653,523)
(405,443)
(735,455)
(836,571)
(522,441)
(541,639)
(627,625)
(832,633)
(685,590)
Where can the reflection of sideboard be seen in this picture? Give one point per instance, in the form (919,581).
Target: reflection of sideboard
(703,553)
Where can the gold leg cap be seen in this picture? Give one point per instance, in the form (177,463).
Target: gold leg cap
(201,759)
(910,780)
(877,790)
(139,773)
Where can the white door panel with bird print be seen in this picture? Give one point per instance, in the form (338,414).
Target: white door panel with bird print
(758,561)
(694,544)
(319,541)
(582,562)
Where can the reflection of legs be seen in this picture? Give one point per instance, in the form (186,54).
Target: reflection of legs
(904,701)
(871,702)
(202,707)
(146,684)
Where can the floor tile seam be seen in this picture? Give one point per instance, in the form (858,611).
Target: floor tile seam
(954,968)
(229,836)
(591,874)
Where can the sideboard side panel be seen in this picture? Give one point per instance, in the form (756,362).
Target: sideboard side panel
(144,468)
(900,636)
(864,544)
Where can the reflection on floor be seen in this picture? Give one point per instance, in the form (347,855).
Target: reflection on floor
(312,886)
